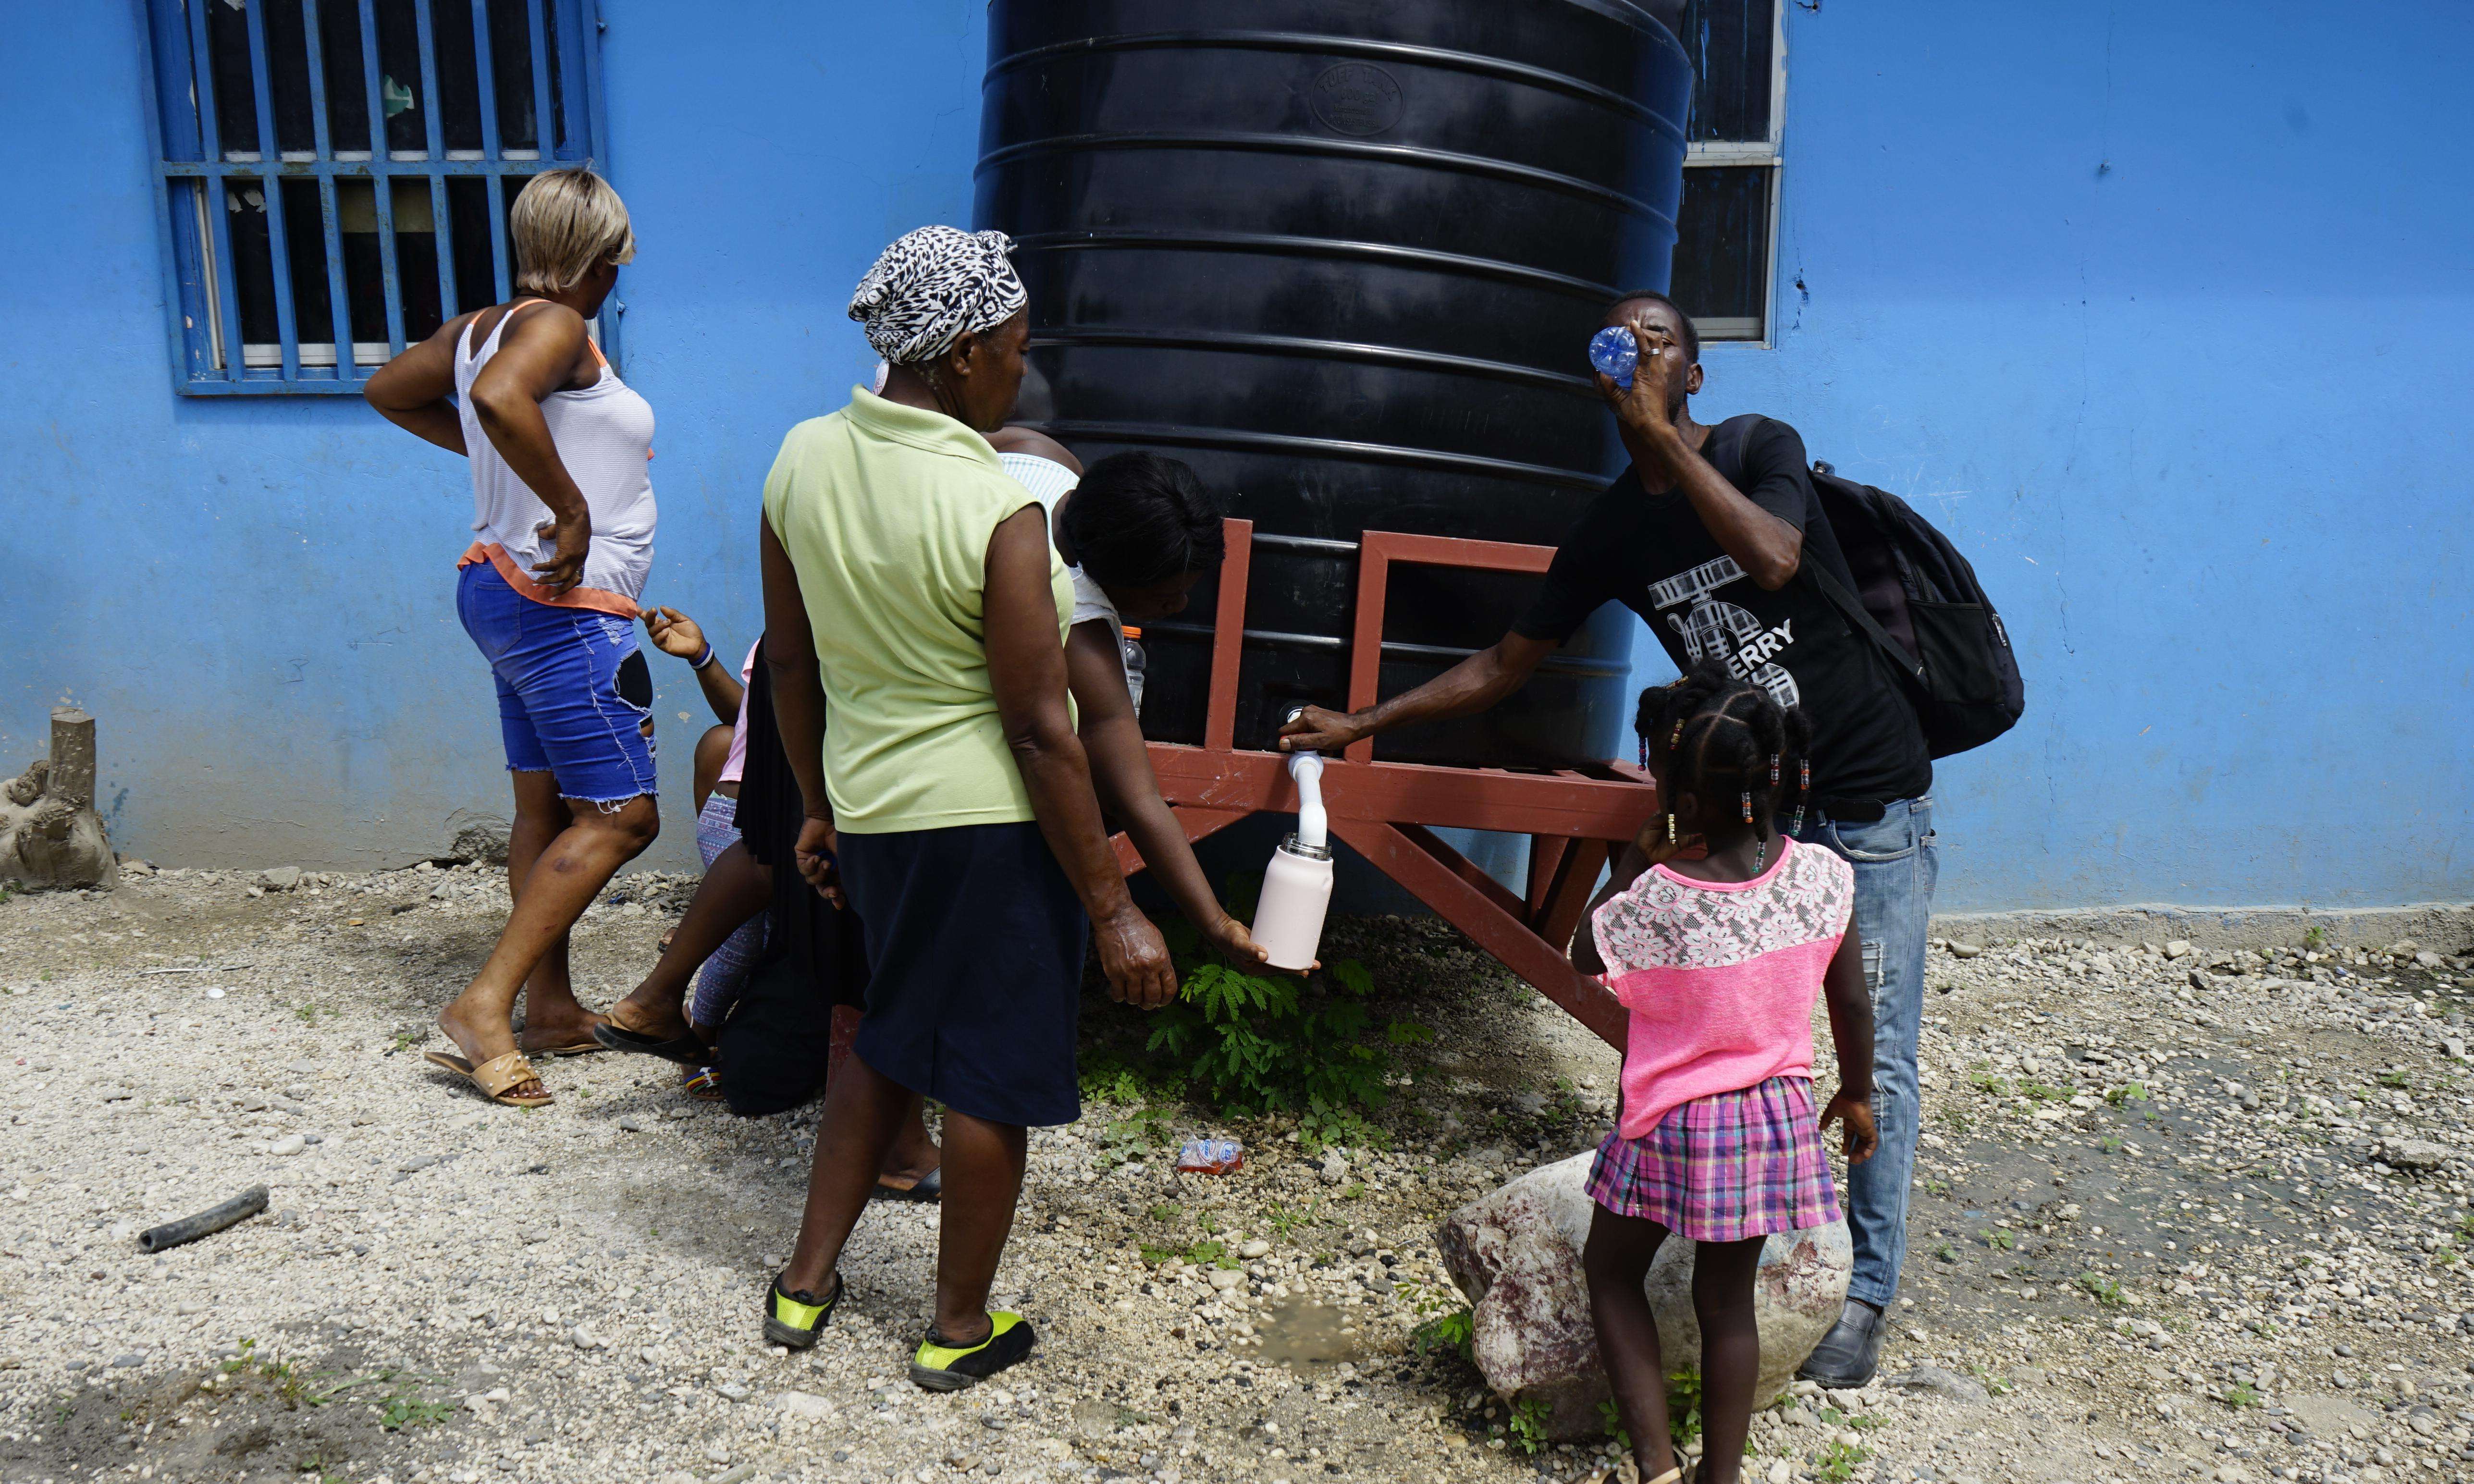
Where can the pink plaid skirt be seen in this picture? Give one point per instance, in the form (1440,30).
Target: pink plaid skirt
(1726,1167)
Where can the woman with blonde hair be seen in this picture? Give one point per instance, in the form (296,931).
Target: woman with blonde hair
(562,525)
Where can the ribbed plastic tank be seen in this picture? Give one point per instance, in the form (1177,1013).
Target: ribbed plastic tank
(1344,258)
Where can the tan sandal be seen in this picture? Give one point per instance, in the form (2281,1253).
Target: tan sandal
(1669,1476)
(495,1075)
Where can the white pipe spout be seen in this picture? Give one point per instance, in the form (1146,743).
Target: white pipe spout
(1313,825)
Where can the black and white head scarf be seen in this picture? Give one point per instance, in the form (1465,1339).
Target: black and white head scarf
(933,286)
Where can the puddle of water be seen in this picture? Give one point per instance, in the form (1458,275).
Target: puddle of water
(1307,1333)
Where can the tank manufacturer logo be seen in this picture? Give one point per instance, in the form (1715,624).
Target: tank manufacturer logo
(1356,98)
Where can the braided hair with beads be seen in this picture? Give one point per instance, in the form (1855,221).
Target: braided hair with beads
(1711,735)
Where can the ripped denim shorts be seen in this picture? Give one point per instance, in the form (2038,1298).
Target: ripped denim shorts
(575,698)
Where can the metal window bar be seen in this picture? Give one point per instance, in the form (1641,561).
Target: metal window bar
(339,308)
(212,290)
(382,188)
(442,221)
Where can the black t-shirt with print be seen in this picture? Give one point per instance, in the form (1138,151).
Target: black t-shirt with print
(1652,554)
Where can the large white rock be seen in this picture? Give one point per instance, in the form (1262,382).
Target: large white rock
(1516,1254)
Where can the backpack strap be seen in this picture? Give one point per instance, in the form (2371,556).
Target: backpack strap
(1727,443)
(1725,454)
(1854,612)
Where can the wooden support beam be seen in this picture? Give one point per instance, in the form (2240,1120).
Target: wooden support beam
(1570,896)
(1198,823)
(1410,793)
(1545,854)
(1497,932)
(1228,635)
(1465,869)
(1376,552)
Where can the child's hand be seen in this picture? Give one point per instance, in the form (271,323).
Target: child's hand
(1857,1113)
(673,632)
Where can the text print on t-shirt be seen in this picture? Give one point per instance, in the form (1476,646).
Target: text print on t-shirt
(1711,627)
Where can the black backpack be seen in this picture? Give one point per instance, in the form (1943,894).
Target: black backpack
(1916,598)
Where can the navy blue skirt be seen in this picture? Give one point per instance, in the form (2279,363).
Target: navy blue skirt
(975,945)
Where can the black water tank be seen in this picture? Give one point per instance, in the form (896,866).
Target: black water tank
(1343,257)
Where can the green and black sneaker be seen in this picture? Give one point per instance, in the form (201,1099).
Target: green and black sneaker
(942,1367)
(798,1319)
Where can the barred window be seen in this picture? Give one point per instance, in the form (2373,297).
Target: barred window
(1726,234)
(352,161)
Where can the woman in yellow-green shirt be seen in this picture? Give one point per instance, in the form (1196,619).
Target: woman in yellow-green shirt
(914,621)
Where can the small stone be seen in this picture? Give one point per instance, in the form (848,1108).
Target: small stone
(481,840)
(126,1362)
(289,1144)
(1252,1248)
(2426,959)
(1937,1381)
(584,1338)
(2419,1155)
(1958,950)
(1226,1278)
(440,892)
(1335,1169)
(631,1124)
(281,878)
(803,1403)
(417,1162)
(717,1453)
(2177,948)
(732,1391)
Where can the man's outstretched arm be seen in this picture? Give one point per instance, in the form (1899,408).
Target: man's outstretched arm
(1473,685)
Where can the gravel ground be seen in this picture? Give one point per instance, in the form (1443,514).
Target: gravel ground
(2180,1215)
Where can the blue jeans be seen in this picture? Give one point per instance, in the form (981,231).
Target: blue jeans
(575,698)
(1897,863)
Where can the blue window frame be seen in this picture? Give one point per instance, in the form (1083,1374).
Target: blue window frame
(352,159)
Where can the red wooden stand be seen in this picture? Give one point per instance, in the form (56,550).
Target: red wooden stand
(1387,811)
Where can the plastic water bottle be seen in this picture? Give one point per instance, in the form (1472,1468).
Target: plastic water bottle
(1614,352)
(1133,649)
(1211,1156)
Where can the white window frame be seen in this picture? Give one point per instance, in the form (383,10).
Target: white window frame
(1766,154)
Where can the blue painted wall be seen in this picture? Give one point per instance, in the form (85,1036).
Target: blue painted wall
(256,595)
(2161,311)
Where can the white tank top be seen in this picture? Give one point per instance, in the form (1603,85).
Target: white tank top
(605,436)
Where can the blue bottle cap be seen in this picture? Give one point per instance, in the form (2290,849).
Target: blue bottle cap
(1614,352)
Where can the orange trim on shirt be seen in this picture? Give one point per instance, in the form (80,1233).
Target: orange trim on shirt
(590,343)
(599,599)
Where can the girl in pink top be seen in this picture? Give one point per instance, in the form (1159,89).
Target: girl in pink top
(1719,959)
